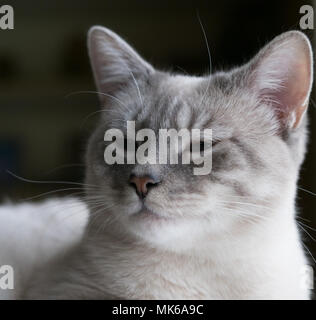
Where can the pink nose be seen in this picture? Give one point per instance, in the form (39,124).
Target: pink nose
(142,184)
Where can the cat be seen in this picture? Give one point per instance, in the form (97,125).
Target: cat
(231,234)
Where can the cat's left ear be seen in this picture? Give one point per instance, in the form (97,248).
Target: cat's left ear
(114,62)
(282,76)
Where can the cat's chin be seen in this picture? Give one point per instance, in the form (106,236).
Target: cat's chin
(159,229)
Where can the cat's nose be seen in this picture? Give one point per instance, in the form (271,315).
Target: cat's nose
(142,184)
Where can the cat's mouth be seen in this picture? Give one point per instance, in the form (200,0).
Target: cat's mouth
(148,213)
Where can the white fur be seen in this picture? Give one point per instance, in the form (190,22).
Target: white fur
(33,234)
(233,266)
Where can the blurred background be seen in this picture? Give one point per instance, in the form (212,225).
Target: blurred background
(43,63)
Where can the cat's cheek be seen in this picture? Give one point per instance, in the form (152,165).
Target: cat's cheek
(98,169)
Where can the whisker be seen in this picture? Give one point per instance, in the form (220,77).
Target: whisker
(96,92)
(206,42)
(248,214)
(95,215)
(209,56)
(51,192)
(138,90)
(309,252)
(240,215)
(48,182)
(183,70)
(312,102)
(94,113)
(313,229)
(245,203)
(65,166)
(306,232)
(304,219)
(307,191)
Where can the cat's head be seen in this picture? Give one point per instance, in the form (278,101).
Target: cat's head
(257,116)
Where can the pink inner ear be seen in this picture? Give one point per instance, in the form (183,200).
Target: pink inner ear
(293,93)
(284,76)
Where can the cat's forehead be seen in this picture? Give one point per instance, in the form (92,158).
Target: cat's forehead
(167,101)
(171,102)
(181,102)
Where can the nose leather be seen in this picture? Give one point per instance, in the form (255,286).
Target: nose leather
(142,184)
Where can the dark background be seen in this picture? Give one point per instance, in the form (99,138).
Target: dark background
(43,132)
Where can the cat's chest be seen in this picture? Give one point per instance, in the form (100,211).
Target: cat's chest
(167,277)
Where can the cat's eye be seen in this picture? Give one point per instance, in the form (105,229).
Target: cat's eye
(204,145)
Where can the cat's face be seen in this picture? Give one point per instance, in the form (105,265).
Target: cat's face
(256,117)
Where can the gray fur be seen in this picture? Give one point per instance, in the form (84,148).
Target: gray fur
(256,159)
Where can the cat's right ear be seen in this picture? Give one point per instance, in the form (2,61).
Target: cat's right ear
(114,62)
